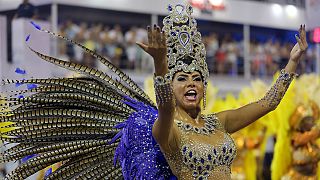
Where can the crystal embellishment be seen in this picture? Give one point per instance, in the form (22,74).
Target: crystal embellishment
(209,126)
(184,41)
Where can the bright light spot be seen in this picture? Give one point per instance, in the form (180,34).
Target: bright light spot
(198,1)
(291,10)
(277,9)
(216,2)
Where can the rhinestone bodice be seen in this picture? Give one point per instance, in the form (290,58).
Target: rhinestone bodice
(204,153)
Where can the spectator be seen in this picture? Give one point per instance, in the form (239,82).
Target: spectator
(115,45)
(26,10)
(144,60)
(226,57)
(232,57)
(132,48)
(212,46)
(82,35)
(71,31)
(221,57)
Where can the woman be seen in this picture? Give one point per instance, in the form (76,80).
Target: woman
(78,121)
(198,146)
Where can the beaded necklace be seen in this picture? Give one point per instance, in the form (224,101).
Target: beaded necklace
(210,124)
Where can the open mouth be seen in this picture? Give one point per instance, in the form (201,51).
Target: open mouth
(191,95)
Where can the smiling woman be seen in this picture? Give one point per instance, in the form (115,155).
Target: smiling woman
(89,123)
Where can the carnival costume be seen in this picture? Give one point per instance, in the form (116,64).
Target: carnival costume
(101,127)
(305,150)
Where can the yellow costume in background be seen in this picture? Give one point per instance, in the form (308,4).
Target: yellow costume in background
(305,151)
(300,93)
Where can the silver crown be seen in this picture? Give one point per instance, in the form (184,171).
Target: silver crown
(184,42)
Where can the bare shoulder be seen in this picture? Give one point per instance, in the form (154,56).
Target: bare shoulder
(222,116)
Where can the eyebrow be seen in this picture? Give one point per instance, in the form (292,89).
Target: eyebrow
(183,75)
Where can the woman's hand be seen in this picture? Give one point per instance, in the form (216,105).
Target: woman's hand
(301,45)
(157,46)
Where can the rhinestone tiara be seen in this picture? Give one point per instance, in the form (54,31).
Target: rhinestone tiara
(186,52)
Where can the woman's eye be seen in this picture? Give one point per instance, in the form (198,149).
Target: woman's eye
(197,79)
(181,78)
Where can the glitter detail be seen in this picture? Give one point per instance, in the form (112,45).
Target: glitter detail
(210,125)
(198,159)
(163,90)
(184,41)
(277,91)
(138,153)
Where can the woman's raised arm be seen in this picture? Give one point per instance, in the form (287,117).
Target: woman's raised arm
(237,119)
(157,48)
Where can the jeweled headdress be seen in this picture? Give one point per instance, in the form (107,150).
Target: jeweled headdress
(186,52)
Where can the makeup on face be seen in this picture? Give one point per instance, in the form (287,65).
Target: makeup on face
(188,89)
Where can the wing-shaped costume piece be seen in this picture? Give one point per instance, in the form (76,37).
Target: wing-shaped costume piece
(96,126)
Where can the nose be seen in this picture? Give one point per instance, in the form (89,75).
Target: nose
(191,83)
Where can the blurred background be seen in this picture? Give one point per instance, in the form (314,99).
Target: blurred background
(245,40)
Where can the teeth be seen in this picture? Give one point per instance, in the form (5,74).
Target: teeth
(191,91)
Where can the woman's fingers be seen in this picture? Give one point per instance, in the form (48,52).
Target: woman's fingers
(154,37)
(300,30)
(156,41)
(303,38)
(303,32)
(158,36)
(149,30)
(299,42)
(143,46)
(163,39)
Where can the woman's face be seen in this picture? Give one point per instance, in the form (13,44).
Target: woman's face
(188,89)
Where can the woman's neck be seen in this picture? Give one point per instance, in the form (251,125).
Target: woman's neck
(193,114)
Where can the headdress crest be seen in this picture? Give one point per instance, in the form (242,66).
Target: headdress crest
(186,52)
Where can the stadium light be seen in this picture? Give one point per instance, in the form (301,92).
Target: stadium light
(291,10)
(277,9)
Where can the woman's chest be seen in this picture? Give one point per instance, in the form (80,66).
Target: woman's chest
(204,152)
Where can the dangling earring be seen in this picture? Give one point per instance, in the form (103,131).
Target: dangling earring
(204,98)
(173,97)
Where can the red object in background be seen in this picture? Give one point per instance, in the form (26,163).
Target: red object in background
(206,4)
(316,35)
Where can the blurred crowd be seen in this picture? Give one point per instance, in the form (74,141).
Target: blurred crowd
(225,55)
(118,46)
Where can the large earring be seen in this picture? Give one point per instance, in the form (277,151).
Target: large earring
(173,97)
(204,98)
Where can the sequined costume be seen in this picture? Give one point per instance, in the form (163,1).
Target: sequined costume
(206,151)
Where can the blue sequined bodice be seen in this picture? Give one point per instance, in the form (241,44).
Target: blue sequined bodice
(205,152)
